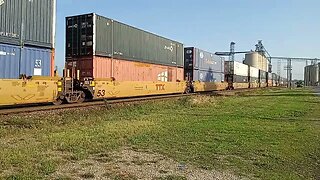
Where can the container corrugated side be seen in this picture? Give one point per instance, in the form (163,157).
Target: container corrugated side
(131,43)
(9,61)
(39,23)
(28,22)
(15,61)
(236,68)
(254,72)
(36,61)
(91,34)
(98,67)
(207,76)
(10,21)
(203,60)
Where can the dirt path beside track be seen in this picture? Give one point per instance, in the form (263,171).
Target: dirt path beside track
(132,164)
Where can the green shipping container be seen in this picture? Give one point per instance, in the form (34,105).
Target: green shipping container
(94,35)
(28,22)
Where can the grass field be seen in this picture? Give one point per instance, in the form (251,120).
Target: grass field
(271,134)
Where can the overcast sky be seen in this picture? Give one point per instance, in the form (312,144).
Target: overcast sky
(287,27)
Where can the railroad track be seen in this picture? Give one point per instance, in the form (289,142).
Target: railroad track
(43,107)
(46,107)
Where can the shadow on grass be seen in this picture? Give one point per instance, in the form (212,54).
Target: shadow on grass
(282,95)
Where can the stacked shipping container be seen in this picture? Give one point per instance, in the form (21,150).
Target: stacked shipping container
(27,37)
(236,72)
(203,66)
(99,67)
(100,47)
(15,61)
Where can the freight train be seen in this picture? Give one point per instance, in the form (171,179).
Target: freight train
(108,59)
(70,89)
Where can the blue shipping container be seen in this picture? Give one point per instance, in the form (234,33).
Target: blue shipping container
(15,60)
(198,59)
(207,76)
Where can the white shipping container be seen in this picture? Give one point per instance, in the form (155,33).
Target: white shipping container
(254,72)
(236,68)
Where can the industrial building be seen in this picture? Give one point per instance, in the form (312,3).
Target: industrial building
(257,60)
(312,75)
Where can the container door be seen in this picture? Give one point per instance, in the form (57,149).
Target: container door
(9,62)
(10,21)
(189,64)
(35,62)
(79,36)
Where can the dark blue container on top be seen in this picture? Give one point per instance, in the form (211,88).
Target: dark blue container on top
(15,60)
(203,66)
(199,59)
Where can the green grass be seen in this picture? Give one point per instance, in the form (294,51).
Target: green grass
(267,135)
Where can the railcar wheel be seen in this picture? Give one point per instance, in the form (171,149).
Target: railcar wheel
(58,102)
(82,97)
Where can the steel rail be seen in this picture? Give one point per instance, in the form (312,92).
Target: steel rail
(97,103)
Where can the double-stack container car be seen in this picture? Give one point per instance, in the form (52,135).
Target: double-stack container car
(27,38)
(204,70)
(121,60)
(104,48)
(236,75)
